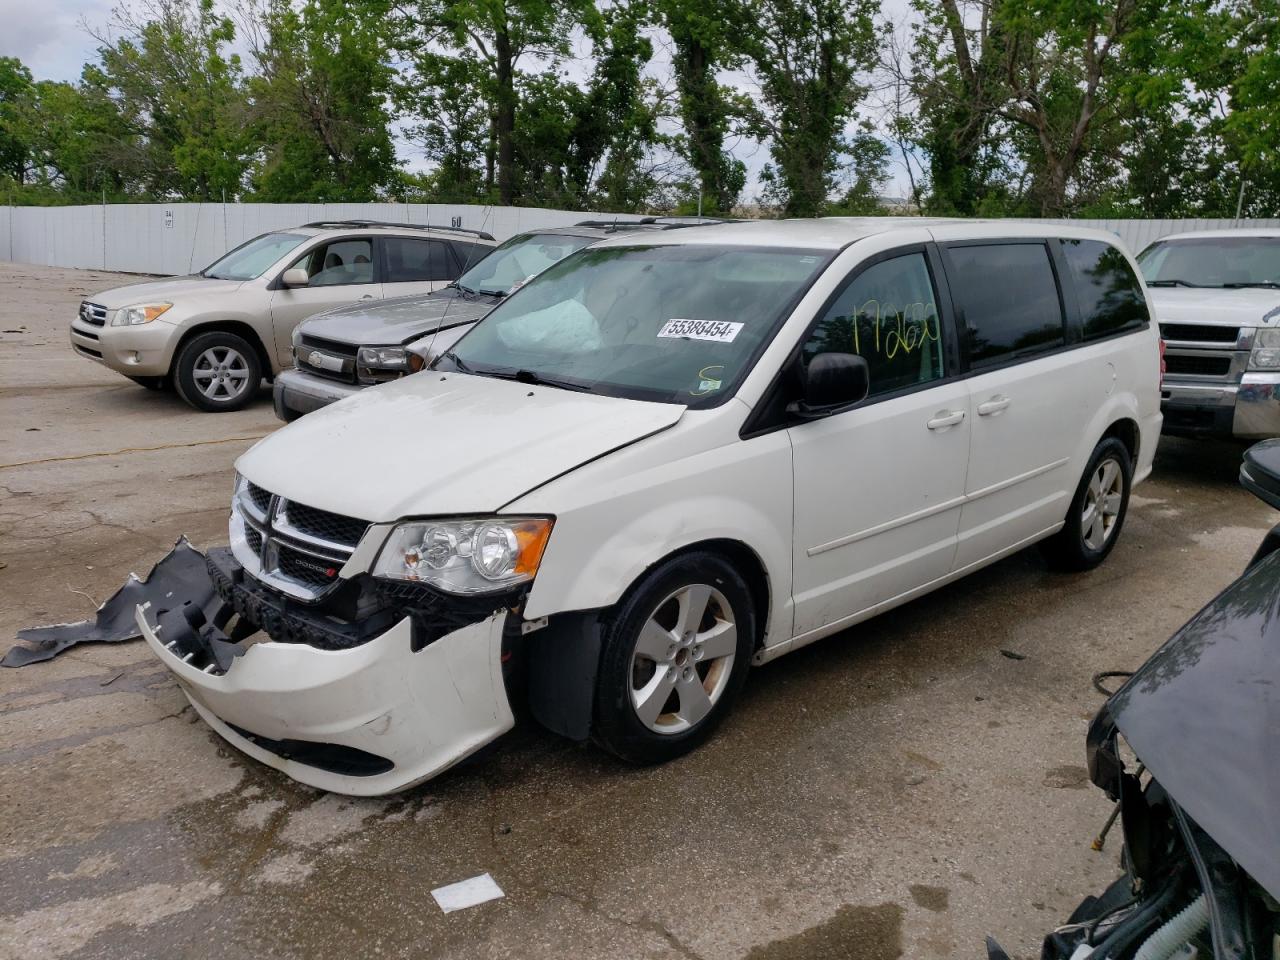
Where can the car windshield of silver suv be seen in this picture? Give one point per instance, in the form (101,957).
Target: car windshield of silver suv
(1216,297)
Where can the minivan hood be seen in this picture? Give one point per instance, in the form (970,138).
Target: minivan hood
(171,290)
(443,443)
(1245,306)
(398,320)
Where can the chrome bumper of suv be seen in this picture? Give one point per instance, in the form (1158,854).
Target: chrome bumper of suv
(1248,410)
(297,392)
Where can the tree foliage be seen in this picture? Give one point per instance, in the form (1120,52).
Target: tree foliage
(985,107)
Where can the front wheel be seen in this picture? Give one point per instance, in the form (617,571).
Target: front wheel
(217,372)
(675,655)
(1097,511)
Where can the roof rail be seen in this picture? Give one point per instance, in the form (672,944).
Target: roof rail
(328,224)
(617,224)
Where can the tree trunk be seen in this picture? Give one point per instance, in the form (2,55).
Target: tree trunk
(701,110)
(505,120)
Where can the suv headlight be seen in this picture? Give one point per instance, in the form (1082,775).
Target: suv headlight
(381,363)
(1266,349)
(468,556)
(143,313)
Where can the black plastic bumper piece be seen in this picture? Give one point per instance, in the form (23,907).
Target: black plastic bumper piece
(330,757)
(563,659)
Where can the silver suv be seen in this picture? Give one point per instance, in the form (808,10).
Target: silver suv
(346,349)
(214,335)
(1216,295)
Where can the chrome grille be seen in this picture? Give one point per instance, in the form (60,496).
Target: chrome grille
(94,313)
(1200,333)
(326,358)
(297,549)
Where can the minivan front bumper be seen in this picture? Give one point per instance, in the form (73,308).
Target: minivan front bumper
(1249,410)
(365,721)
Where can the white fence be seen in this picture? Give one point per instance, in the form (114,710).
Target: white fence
(178,238)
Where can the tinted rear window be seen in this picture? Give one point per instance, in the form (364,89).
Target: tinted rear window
(1009,297)
(411,260)
(1109,293)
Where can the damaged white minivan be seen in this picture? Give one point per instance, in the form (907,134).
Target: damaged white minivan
(667,458)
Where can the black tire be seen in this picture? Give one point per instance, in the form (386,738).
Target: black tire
(1071,547)
(196,372)
(151,383)
(618,726)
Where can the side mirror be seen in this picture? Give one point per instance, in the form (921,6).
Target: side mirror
(832,382)
(295,277)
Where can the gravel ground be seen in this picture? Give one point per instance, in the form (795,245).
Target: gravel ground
(899,790)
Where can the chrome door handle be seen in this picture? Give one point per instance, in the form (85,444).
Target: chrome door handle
(993,406)
(944,419)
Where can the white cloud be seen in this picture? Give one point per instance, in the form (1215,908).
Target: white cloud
(49,37)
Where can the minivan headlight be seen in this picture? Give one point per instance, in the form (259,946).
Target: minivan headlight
(143,313)
(466,556)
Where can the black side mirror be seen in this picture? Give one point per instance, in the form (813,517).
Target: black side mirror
(832,382)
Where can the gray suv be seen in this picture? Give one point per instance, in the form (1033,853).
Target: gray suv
(342,351)
(214,335)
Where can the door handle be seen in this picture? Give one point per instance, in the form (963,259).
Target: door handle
(945,419)
(993,406)
(367,296)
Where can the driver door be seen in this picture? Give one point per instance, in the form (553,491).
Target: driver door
(340,271)
(878,488)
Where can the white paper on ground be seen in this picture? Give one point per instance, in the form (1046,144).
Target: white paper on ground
(467,893)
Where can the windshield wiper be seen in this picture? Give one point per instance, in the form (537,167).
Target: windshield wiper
(457,361)
(492,293)
(1172,283)
(464,289)
(1269,284)
(537,379)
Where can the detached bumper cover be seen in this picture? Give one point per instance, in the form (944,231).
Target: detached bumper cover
(371,719)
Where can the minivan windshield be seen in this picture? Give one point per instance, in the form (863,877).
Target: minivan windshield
(251,260)
(1212,262)
(671,323)
(519,259)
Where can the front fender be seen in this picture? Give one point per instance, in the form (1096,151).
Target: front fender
(618,517)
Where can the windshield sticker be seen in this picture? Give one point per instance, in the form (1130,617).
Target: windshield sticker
(709,382)
(718,331)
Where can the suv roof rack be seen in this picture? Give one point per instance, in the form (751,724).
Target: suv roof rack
(328,224)
(659,223)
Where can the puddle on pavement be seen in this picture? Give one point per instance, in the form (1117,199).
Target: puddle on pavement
(854,933)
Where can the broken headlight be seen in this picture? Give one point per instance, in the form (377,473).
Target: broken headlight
(467,556)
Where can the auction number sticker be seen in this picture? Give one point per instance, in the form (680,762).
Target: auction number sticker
(718,331)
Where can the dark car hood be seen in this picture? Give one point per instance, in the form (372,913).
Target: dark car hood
(398,320)
(1204,715)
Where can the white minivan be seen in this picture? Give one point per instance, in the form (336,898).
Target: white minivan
(666,458)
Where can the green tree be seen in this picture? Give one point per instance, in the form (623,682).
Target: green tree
(179,93)
(321,100)
(494,36)
(703,44)
(807,57)
(15,86)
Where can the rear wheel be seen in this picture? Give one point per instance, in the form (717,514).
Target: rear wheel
(217,371)
(674,657)
(1097,511)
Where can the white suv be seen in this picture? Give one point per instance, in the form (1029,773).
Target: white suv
(214,335)
(666,458)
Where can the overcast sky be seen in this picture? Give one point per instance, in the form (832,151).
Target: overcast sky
(49,36)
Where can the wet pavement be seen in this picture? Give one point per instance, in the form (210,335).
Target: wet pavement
(899,790)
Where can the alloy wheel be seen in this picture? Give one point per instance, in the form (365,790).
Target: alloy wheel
(221,373)
(1102,504)
(683,659)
